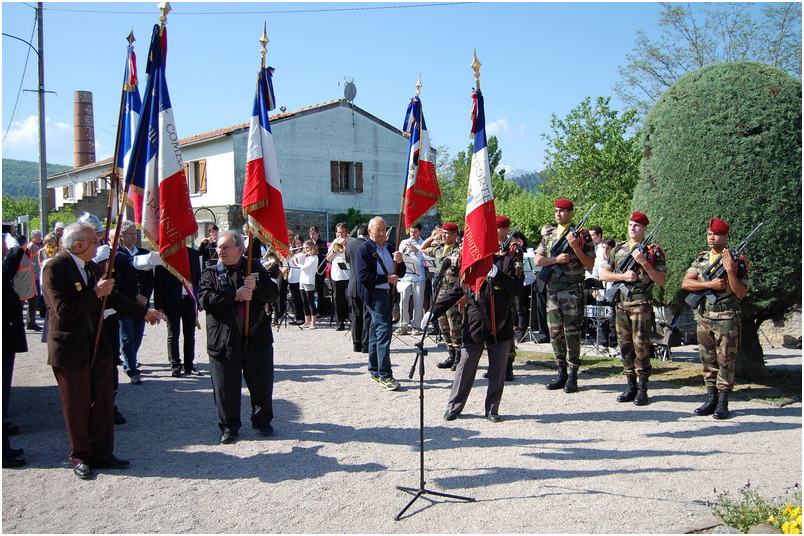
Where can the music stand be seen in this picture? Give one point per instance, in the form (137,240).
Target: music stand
(529,266)
(421,352)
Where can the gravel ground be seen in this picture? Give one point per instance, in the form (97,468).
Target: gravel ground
(557,463)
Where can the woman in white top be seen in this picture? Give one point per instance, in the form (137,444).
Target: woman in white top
(294,274)
(308,262)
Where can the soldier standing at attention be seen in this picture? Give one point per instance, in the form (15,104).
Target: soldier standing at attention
(634,312)
(565,293)
(719,323)
(447,255)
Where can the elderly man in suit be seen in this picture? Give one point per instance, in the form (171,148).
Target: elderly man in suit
(73,290)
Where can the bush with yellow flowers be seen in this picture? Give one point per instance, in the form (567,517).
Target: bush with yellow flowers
(789,521)
(748,507)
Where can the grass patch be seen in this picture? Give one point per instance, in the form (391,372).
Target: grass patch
(783,386)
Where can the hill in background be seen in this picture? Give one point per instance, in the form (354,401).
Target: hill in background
(21,177)
(527,181)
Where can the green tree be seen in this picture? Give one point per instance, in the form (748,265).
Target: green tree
(19,206)
(695,35)
(725,141)
(353,217)
(592,158)
(455,184)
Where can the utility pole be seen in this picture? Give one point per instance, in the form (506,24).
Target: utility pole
(43,200)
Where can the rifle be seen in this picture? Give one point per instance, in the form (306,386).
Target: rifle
(716,270)
(628,263)
(508,241)
(561,246)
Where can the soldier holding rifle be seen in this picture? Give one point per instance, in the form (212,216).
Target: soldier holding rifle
(638,266)
(564,253)
(723,275)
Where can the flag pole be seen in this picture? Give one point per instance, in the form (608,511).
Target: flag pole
(493,313)
(263,51)
(114,179)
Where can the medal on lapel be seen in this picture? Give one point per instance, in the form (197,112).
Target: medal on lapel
(78,287)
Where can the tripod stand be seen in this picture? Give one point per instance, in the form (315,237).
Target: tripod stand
(529,335)
(421,490)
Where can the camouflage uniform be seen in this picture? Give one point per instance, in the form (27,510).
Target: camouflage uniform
(634,319)
(451,323)
(718,327)
(565,300)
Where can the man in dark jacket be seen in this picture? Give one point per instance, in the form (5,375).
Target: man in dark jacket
(138,285)
(224,293)
(14,342)
(359,317)
(478,332)
(73,290)
(171,298)
(376,277)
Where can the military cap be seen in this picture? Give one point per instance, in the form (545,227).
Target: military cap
(718,226)
(565,204)
(449,227)
(502,221)
(639,217)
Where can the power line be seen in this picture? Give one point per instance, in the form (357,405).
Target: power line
(263,12)
(22,80)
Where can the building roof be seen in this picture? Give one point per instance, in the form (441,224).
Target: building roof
(227,131)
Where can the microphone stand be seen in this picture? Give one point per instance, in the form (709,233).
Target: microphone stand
(421,352)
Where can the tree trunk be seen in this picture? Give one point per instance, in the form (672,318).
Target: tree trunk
(750,357)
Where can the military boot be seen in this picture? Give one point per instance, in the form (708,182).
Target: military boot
(450,361)
(709,406)
(630,392)
(509,370)
(641,398)
(722,411)
(572,381)
(560,380)
(457,359)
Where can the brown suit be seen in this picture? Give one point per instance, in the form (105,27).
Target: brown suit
(85,382)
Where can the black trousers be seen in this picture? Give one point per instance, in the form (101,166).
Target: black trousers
(361,320)
(341,303)
(298,306)
(256,366)
(182,320)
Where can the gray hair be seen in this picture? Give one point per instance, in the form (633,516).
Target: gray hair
(35,233)
(237,237)
(125,226)
(75,232)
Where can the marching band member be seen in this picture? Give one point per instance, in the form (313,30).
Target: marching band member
(339,274)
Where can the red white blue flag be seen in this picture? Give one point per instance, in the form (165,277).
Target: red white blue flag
(421,184)
(156,166)
(132,104)
(262,192)
(480,230)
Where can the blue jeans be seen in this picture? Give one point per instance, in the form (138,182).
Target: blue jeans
(379,362)
(131,332)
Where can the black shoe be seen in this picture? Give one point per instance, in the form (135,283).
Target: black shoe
(571,385)
(340,327)
(228,437)
(722,410)
(176,373)
(118,417)
(357,348)
(83,471)
(559,381)
(493,417)
(14,462)
(486,375)
(709,406)
(509,376)
(192,372)
(265,431)
(630,392)
(641,398)
(450,415)
(112,462)
(33,327)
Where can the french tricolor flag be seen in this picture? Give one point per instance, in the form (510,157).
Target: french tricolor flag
(132,104)
(262,192)
(421,183)
(156,165)
(480,230)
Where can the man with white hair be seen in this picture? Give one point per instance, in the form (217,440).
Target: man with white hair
(73,288)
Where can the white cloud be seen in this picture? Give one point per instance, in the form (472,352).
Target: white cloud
(502,129)
(22,141)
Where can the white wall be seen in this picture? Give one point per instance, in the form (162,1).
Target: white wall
(220,171)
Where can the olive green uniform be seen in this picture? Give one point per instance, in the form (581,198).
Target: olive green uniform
(718,330)
(451,323)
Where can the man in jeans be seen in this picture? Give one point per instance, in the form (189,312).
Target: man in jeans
(379,268)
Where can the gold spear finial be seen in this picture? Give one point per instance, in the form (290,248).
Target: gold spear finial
(264,42)
(476,66)
(419,85)
(130,37)
(165,8)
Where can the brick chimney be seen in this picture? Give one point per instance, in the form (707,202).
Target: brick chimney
(83,129)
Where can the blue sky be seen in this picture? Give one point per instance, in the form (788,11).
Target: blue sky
(538,59)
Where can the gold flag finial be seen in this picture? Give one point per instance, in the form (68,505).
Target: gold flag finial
(419,85)
(165,8)
(264,42)
(476,66)
(130,37)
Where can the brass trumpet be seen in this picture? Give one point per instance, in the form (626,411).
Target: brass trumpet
(338,247)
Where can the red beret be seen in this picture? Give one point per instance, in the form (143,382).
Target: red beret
(449,227)
(502,221)
(564,203)
(718,226)
(639,217)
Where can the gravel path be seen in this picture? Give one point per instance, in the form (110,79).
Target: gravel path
(557,463)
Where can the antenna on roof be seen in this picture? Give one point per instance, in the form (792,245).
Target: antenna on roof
(349,90)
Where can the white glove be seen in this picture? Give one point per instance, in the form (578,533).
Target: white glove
(426,319)
(154,259)
(493,271)
(146,261)
(102,253)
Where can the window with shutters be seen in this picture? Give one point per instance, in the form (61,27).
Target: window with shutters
(346,177)
(196,171)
